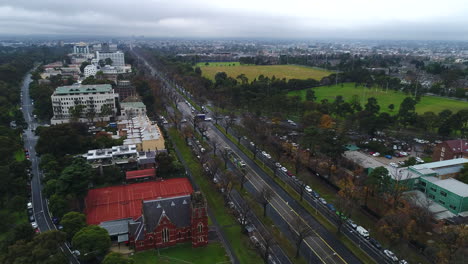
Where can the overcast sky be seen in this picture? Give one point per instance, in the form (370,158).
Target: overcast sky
(371,19)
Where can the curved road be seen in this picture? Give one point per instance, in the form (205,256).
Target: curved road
(40,208)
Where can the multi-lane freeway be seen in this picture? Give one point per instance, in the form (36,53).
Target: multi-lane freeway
(39,203)
(322,246)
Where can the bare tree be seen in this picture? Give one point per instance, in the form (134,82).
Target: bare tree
(214,144)
(243,178)
(225,155)
(229,121)
(214,165)
(244,213)
(301,231)
(269,241)
(263,197)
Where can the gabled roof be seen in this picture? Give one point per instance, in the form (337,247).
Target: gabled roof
(125,201)
(458,145)
(177,210)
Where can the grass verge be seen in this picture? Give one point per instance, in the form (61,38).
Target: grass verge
(215,201)
(183,253)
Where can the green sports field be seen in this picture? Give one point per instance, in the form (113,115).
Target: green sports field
(253,71)
(384,98)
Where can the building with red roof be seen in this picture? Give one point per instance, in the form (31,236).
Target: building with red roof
(125,201)
(450,149)
(140,174)
(172,213)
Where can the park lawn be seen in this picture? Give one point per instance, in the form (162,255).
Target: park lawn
(384,98)
(232,229)
(19,155)
(184,253)
(279,71)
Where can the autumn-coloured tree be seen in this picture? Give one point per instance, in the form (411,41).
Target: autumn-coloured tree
(348,199)
(326,122)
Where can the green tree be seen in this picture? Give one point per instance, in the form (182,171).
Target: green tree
(58,205)
(116,258)
(108,61)
(198,71)
(391,107)
(23,231)
(92,241)
(372,106)
(75,178)
(83,65)
(44,248)
(410,162)
(73,222)
(378,180)
(406,113)
(102,63)
(77,111)
(310,95)
(463,176)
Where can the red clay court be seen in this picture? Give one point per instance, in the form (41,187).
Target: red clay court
(124,201)
(150,173)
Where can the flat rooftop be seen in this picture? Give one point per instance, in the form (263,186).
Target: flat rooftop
(439,164)
(125,201)
(80,89)
(455,186)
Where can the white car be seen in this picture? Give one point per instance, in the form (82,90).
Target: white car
(34,225)
(183,120)
(308,189)
(351,223)
(376,154)
(393,164)
(277,164)
(208,119)
(362,231)
(284,169)
(391,255)
(403,262)
(323,200)
(29,205)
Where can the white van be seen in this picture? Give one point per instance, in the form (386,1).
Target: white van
(363,232)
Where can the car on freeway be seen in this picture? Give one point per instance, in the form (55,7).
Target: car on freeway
(390,255)
(315,194)
(403,262)
(34,225)
(289,174)
(331,207)
(362,231)
(277,164)
(323,201)
(375,243)
(284,169)
(31,218)
(351,223)
(208,119)
(308,189)
(183,120)
(29,205)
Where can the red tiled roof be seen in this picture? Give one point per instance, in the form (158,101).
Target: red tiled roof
(140,173)
(124,201)
(458,145)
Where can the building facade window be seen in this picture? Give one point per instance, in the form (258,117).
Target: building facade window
(443,193)
(165,235)
(200,227)
(441,202)
(453,207)
(433,189)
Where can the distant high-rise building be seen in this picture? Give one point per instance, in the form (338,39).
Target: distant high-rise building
(81,48)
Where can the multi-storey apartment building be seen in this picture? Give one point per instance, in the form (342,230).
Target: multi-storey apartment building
(84,103)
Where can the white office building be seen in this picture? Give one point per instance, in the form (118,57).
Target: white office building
(90,70)
(98,102)
(116,57)
(81,48)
